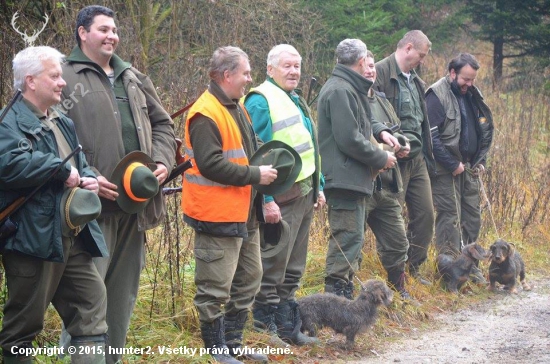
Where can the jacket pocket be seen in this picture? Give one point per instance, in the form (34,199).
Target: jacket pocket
(89,154)
(20,266)
(209,255)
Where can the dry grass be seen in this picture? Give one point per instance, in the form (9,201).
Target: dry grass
(515,182)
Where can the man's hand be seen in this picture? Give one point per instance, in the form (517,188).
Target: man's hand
(321,201)
(391,141)
(458,169)
(404,151)
(267,175)
(272,213)
(478,170)
(107,189)
(74,178)
(89,183)
(391,161)
(161,173)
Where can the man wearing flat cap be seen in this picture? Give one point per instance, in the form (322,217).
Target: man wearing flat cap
(48,258)
(279,114)
(217,203)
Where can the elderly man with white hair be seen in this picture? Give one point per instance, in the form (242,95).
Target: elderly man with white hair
(279,113)
(45,262)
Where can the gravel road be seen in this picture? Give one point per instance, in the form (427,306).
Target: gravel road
(505,329)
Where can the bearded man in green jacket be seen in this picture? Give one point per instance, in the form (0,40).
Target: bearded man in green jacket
(116,111)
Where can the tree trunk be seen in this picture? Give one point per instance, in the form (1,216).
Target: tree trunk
(498,57)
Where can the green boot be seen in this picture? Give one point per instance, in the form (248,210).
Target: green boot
(89,349)
(17,359)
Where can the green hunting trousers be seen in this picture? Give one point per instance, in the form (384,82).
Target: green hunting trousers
(346,218)
(121,273)
(228,273)
(457,203)
(74,287)
(384,216)
(283,271)
(417,197)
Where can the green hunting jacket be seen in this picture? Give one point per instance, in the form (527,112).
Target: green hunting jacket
(349,160)
(28,155)
(90,102)
(386,82)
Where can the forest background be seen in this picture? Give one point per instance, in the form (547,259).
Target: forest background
(172,41)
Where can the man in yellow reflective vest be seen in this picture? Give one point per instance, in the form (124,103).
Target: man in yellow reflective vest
(279,113)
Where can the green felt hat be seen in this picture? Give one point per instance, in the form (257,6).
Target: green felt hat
(78,207)
(284,159)
(273,238)
(135,180)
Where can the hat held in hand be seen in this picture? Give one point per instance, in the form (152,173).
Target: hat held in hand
(135,180)
(273,238)
(284,159)
(78,207)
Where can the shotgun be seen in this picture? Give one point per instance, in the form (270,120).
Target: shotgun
(9,227)
(13,100)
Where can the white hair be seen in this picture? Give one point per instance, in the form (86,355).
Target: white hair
(275,53)
(29,62)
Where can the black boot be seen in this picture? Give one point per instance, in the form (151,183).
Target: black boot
(396,279)
(264,321)
(348,290)
(414,271)
(287,318)
(234,326)
(339,288)
(213,335)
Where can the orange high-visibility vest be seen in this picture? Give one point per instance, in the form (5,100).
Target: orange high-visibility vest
(204,199)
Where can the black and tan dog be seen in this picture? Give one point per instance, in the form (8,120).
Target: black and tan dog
(456,271)
(342,315)
(506,265)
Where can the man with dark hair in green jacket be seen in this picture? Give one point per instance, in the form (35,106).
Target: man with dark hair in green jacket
(116,111)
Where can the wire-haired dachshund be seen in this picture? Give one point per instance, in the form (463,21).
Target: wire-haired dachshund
(342,315)
(506,265)
(456,271)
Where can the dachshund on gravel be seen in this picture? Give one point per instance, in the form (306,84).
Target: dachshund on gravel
(342,315)
(456,271)
(506,265)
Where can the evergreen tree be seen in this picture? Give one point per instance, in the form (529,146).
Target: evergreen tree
(515,28)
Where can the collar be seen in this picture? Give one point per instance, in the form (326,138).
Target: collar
(82,61)
(360,83)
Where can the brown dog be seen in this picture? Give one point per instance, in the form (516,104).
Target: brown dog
(456,271)
(506,265)
(342,315)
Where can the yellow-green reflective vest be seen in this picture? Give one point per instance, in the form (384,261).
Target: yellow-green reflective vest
(288,126)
